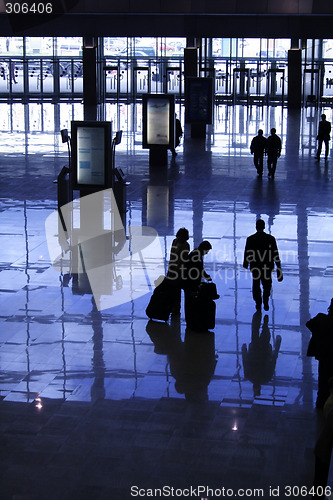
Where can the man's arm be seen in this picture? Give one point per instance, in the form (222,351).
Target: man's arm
(277,260)
(279,147)
(246,255)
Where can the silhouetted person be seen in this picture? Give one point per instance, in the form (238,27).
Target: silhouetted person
(259,360)
(321,347)
(178,135)
(261,253)
(258,149)
(324,130)
(195,271)
(273,149)
(192,362)
(177,264)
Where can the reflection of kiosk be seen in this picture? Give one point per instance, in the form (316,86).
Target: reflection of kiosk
(90,173)
(91,156)
(199,104)
(158,126)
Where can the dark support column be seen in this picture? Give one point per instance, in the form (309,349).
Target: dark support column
(198,130)
(158,156)
(90,88)
(190,61)
(294,79)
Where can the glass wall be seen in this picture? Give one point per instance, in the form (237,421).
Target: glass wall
(244,69)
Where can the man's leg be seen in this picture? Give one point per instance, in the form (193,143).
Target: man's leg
(256,290)
(274,166)
(326,148)
(269,165)
(260,166)
(267,286)
(320,142)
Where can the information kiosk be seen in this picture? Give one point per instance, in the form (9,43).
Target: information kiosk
(158,133)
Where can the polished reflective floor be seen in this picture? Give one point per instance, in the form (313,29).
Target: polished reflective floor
(94,400)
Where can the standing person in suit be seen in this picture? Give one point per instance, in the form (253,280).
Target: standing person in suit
(178,259)
(258,149)
(273,149)
(261,254)
(324,130)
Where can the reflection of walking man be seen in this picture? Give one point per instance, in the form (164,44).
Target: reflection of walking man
(324,130)
(259,359)
(261,253)
(258,147)
(273,152)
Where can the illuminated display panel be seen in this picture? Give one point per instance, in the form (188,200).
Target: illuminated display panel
(158,113)
(158,120)
(91,154)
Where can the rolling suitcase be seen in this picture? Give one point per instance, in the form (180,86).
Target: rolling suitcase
(161,302)
(200,309)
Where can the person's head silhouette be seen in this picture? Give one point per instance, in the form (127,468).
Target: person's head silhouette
(260,225)
(204,247)
(182,234)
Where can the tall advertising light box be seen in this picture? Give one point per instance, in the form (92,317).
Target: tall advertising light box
(158,127)
(91,155)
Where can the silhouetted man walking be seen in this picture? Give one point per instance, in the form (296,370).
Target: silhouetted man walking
(324,130)
(258,148)
(273,152)
(261,253)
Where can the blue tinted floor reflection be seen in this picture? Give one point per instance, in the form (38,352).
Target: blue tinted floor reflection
(94,401)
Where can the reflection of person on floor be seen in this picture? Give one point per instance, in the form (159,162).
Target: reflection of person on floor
(259,359)
(178,135)
(324,130)
(321,347)
(178,259)
(273,149)
(258,148)
(199,366)
(261,253)
(192,362)
(323,448)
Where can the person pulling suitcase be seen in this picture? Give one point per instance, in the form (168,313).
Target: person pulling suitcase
(200,307)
